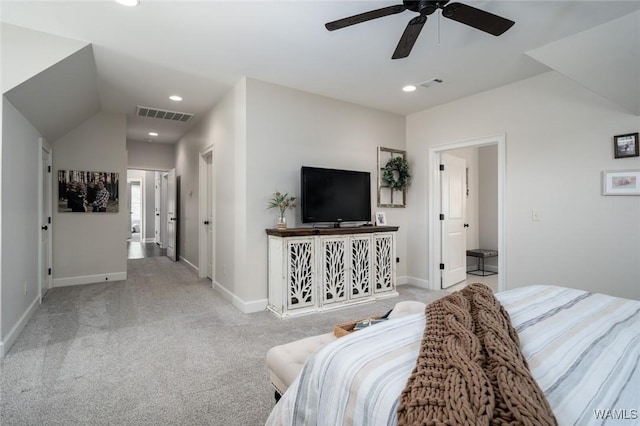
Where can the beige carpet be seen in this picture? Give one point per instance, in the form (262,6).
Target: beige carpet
(161,348)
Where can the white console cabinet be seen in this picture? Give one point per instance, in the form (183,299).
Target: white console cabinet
(316,269)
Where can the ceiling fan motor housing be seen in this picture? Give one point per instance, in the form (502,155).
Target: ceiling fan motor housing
(424,7)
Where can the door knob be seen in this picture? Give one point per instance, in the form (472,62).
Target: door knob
(466,225)
(206,222)
(157,214)
(44,228)
(174,218)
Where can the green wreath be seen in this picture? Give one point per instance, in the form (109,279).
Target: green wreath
(396,173)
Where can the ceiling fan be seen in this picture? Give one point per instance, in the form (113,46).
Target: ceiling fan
(468,15)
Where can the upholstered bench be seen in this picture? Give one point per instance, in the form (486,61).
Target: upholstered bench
(286,361)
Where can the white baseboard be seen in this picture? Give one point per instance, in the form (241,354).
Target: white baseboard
(418,282)
(186,262)
(15,331)
(244,307)
(89,279)
(149,240)
(402,280)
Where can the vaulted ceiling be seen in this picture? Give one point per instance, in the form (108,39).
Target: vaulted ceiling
(139,56)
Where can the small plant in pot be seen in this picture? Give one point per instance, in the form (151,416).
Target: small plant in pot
(282,201)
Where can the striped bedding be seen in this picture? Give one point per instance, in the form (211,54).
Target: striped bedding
(582,348)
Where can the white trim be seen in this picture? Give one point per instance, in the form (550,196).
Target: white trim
(191,265)
(203,234)
(89,279)
(434,202)
(149,240)
(418,282)
(13,334)
(402,280)
(45,146)
(245,307)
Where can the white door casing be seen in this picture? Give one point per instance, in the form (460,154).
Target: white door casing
(434,205)
(129,223)
(45,200)
(172,214)
(453,210)
(157,199)
(207,226)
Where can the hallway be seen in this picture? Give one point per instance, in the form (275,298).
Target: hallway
(138,250)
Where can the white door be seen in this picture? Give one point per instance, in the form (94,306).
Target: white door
(45,220)
(454,239)
(130,223)
(157,200)
(172,214)
(209,222)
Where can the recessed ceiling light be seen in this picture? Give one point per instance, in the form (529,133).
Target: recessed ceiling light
(409,88)
(153,134)
(175,98)
(130,3)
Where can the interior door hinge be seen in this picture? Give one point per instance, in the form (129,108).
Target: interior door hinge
(49,271)
(49,169)
(442,167)
(442,266)
(441,216)
(49,219)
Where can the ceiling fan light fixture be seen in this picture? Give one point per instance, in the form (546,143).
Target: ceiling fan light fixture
(175,98)
(153,134)
(130,3)
(409,88)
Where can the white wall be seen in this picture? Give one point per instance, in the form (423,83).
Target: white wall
(91,247)
(262,134)
(24,55)
(287,129)
(559,139)
(21,161)
(224,128)
(150,156)
(488,200)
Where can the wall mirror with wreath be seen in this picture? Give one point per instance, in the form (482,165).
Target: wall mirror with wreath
(393,177)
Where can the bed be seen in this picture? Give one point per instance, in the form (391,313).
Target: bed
(583,350)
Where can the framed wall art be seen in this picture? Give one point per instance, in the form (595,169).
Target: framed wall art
(393,177)
(87,192)
(621,182)
(626,145)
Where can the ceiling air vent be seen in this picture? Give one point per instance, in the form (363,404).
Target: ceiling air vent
(163,114)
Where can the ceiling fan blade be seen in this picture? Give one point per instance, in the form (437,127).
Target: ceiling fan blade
(364,17)
(409,37)
(476,18)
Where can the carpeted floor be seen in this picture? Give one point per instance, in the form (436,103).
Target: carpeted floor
(159,348)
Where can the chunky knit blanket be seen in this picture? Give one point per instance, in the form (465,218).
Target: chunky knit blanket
(470,370)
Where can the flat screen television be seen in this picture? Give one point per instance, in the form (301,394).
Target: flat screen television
(330,195)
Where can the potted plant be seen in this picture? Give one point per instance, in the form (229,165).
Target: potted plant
(282,202)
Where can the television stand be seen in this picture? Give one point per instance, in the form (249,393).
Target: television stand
(318,269)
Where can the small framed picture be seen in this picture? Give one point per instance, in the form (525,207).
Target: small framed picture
(621,182)
(626,146)
(381,219)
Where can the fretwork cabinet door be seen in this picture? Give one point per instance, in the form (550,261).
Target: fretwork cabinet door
(300,261)
(383,263)
(360,273)
(334,268)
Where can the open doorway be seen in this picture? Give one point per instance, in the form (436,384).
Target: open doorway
(471,192)
(143,236)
